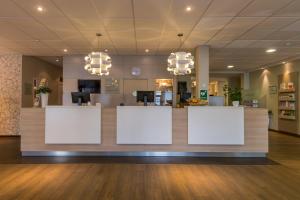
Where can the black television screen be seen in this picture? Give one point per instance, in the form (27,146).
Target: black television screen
(90,86)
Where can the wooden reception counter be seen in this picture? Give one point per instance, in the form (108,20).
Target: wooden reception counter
(248,137)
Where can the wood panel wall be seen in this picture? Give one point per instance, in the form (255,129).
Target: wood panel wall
(33,134)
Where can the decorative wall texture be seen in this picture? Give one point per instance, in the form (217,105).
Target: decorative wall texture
(10,93)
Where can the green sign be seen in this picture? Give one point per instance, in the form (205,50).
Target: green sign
(203,94)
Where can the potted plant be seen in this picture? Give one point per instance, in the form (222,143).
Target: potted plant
(235,95)
(44,93)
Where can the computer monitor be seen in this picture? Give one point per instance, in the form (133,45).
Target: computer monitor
(80,97)
(186,95)
(145,96)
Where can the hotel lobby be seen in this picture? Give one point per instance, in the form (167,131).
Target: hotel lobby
(149,99)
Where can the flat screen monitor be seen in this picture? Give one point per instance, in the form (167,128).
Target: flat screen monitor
(186,95)
(80,97)
(90,86)
(141,95)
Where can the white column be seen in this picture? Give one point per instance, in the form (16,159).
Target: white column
(202,68)
(246,81)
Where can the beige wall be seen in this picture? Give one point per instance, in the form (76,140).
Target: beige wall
(152,67)
(260,81)
(34,68)
(10,93)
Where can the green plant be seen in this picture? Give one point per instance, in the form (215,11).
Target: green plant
(43,90)
(234,94)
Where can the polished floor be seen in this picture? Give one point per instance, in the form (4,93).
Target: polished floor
(277,177)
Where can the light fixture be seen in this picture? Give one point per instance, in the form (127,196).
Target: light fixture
(188,8)
(57,60)
(283,62)
(40,9)
(98,63)
(65,50)
(146,50)
(180,63)
(106,50)
(230,66)
(271,50)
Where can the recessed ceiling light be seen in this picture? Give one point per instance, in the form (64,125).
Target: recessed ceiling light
(146,50)
(65,50)
(230,66)
(271,50)
(188,8)
(40,8)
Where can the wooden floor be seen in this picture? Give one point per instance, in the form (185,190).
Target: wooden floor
(117,179)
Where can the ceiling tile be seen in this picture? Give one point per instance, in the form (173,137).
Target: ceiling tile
(11,32)
(228,8)
(293,27)
(76,8)
(237,27)
(118,24)
(240,43)
(264,7)
(267,27)
(114,8)
(148,44)
(282,35)
(57,44)
(148,30)
(178,18)
(217,43)
(34,29)
(83,24)
(293,9)
(264,44)
(9,9)
(157,9)
(50,10)
(207,27)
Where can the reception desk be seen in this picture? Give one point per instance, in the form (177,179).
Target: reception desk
(73,125)
(196,131)
(144,125)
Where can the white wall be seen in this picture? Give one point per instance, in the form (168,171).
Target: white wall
(152,67)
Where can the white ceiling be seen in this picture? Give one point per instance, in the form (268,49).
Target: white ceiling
(238,31)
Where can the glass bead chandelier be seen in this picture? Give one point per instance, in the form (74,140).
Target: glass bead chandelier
(180,63)
(98,63)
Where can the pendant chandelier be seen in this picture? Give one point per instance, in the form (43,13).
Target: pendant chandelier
(98,63)
(180,63)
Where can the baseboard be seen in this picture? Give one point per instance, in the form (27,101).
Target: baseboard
(145,154)
(285,132)
(10,135)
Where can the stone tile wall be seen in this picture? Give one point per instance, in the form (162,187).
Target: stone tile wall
(10,93)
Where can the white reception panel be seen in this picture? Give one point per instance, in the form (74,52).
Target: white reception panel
(216,125)
(73,125)
(144,125)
